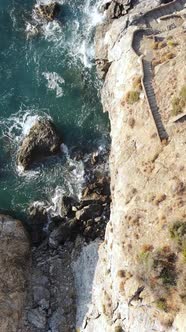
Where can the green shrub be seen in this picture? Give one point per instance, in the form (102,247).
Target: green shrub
(157,269)
(184,251)
(168,276)
(183,94)
(137,83)
(171,43)
(132,97)
(118,329)
(164,264)
(161,304)
(178,232)
(178,103)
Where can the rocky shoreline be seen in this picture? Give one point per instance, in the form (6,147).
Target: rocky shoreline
(54,242)
(53,280)
(48,261)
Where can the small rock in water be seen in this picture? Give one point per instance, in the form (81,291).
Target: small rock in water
(41,141)
(49,11)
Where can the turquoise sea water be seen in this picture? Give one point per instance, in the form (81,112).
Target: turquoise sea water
(48,74)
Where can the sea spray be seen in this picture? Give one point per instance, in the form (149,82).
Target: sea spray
(54,82)
(32,71)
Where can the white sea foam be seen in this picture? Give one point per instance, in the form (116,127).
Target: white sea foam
(93,14)
(91,18)
(27,175)
(64,149)
(31,30)
(54,82)
(19,124)
(73,176)
(80,42)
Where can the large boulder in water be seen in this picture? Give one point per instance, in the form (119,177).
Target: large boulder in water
(49,11)
(41,141)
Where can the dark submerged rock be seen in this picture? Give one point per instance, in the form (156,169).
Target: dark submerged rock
(65,231)
(90,211)
(87,217)
(48,12)
(41,141)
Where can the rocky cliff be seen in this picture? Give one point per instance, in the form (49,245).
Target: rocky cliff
(140,280)
(14,273)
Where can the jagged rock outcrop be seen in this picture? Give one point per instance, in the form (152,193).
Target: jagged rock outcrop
(117,8)
(51,292)
(14,273)
(48,12)
(86,217)
(41,141)
(110,30)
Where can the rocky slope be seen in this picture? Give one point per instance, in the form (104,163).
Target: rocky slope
(140,281)
(14,273)
(138,284)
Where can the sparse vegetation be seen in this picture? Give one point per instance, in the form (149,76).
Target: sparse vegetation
(131,122)
(176,106)
(158,45)
(118,329)
(147,248)
(121,274)
(137,83)
(183,93)
(167,56)
(156,62)
(132,97)
(161,304)
(159,198)
(184,251)
(171,43)
(178,232)
(178,103)
(157,268)
(163,58)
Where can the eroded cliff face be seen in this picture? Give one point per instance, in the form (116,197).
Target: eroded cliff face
(140,281)
(14,273)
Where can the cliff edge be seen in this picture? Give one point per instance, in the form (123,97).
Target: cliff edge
(140,280)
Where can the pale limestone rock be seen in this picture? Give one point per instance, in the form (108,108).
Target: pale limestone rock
(157,173)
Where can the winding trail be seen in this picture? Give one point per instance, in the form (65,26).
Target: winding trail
(147,79)
(156,13)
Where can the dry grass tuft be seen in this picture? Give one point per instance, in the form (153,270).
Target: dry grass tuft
(171,43)
(137,83)
(179,103)
(132,97)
